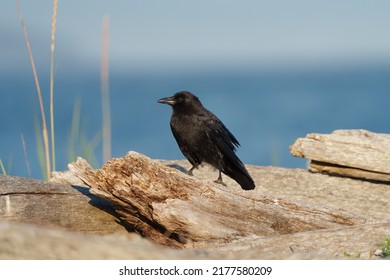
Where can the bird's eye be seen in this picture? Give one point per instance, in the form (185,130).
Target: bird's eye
(180,99)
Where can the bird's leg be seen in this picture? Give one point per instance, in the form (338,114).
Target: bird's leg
(219,180)
(189,172)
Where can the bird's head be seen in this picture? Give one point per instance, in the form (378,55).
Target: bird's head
(183,101)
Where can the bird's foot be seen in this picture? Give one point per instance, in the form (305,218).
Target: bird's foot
(219,181)
(189,172)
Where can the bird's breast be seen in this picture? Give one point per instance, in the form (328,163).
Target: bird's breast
(189,128)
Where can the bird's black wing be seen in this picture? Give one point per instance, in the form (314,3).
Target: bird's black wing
(231,165)
(218,133)
(185,148)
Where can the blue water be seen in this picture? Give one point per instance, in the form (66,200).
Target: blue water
(266,110)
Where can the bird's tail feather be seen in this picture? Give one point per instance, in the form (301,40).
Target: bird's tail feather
(242,177)
(245,182)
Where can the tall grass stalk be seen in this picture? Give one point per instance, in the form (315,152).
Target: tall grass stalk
(78,142)
(74,131)
(40,148)
(25,154)
(52,49)
(45,136)
(104,79)
(2,167)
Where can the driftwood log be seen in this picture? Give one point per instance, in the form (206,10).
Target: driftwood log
(26,200)
(178,210)
(27,241)
(292,213)
(351,153)
(66,225)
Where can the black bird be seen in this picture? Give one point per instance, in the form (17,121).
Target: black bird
(202,137)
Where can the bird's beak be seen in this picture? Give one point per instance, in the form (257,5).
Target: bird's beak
(167,100)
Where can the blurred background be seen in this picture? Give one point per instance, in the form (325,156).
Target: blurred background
(272,71)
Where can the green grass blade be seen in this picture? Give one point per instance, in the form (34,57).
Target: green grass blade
(2,167)
(25,154)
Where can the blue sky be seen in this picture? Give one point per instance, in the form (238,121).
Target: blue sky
(166,34)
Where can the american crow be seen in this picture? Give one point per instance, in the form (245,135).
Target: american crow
(202,137)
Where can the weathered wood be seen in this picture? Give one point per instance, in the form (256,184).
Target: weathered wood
(361,241)
(56,205)
(60,237)
(338,170)
(363,198)
(352,153)
(26,241)
(175,209)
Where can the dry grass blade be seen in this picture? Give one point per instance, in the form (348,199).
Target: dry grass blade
(52,49)
(104,76)
(44,126)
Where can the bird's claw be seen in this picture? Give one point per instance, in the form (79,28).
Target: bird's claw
(219,181)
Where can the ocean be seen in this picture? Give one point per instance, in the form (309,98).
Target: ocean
(267,110)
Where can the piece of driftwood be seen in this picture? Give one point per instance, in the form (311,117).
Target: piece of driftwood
(56,206)
(175,209)
(351,153)
(70,225)
(26,241)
